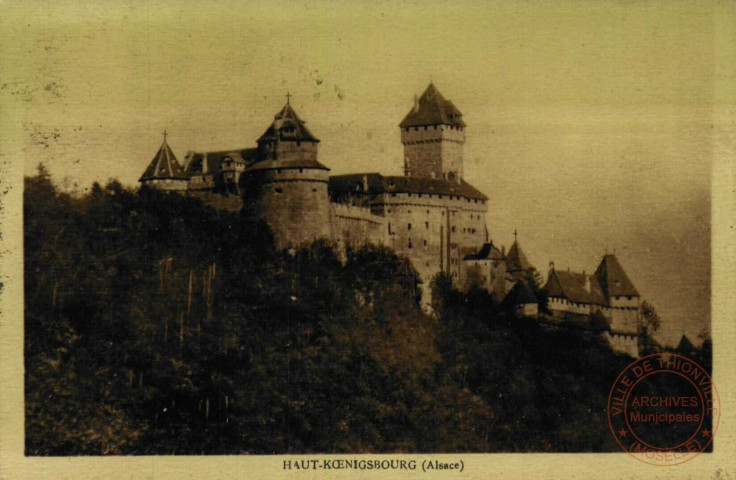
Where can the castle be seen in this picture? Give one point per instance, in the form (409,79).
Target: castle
(431,214)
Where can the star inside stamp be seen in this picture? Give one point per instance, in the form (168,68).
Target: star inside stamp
(664,409)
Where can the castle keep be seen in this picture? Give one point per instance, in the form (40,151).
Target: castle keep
(430,215)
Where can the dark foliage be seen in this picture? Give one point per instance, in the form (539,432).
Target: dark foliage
(156,325)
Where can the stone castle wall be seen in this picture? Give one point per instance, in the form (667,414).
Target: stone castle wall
(434,233)
(432,151)
(452,152)
(293,202)
(354,226)
(624,314)
(623,343)
(490,274)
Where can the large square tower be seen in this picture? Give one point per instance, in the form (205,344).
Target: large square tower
(433,134)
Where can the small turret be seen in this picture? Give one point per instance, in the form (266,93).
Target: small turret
(287,138)
(287,186)
(164,171)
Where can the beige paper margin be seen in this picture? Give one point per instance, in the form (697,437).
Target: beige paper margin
(720,464)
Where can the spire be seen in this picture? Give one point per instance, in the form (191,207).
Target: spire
(288,97)
(164,165)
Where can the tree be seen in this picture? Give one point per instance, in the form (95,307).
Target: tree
(649,318)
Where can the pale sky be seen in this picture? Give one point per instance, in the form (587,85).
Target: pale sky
(589,124)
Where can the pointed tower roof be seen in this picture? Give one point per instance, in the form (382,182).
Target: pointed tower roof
(613,280)
(520,294)
(287,126)
(515,259)
(685,345)
(163,166)
(432,109)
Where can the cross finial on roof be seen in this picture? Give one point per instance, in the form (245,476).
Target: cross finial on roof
(165,134)
(288,97)
(515,234)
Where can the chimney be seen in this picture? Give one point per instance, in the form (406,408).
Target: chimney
(587,283)
(365,183)
(503,250)
(205,167)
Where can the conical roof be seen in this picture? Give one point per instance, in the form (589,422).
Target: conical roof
(163,166)
(432,109)
(287,126)
(613,280)
(516,260)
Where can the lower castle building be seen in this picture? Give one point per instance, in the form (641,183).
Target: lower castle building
(430,215)
(607,295)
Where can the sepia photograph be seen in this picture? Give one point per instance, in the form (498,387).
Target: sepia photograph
(366,237)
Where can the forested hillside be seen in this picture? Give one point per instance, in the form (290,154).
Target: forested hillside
(156,325)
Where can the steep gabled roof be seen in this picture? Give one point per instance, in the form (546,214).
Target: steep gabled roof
(613,279)
(432,109)
(378,184)
(163,166)
(571,286)
(516,260)
(287,126)
(487,252)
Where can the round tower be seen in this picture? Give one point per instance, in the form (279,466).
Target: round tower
(287,186)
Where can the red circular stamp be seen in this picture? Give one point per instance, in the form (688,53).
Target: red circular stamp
(663,409)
